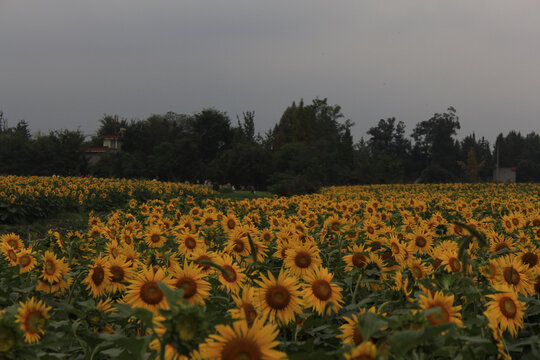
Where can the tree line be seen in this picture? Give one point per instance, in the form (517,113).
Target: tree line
(311,146)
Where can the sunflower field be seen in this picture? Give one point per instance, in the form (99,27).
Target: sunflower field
(366,272)
(26,198)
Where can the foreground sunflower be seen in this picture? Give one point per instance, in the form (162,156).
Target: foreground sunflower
(53,268)
(515,274)
(320,294)
(279,298)
(242,342)
(301,258)
(447,312)
(98,277)
(191,280)
(143,291)
(505,310)
(365,351)
(33,316)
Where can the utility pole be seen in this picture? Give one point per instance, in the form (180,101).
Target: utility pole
(497,169)
(3,122)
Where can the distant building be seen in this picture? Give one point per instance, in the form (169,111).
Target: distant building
(505,175)
(111,143)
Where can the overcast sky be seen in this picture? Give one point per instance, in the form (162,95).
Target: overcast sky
(65,63)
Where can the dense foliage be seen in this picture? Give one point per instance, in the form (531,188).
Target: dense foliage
(437,271)
(311,146)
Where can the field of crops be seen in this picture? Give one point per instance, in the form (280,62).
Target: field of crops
(365,272)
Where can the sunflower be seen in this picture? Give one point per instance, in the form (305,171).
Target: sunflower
(154,236)
(421,240)
(33,316)
(238,243)
(357,259)
(233,279)
(242,342)
(201,254)
(98,277)
(491,271)
(279,298)
(396,247)
(53,268)
(10,254)
(189,242)
(12,240)
(499,242)
(350,332)
(245,306)
(450,261)
(418,269)
(531,258)
(320,294)
(365,351)
(515,274)
(191,280)
(121,272)
(143,290)
(230,222)
(505,310)
(302,258)
(447,312)
(25,260)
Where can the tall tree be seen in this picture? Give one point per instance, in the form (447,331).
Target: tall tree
(435,143)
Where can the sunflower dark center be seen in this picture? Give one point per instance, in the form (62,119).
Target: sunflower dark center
(25,260)
(230,274)
(117,273)
(98,275)
(455,265)
(537,285)
(250,312)
(35,322)
(241,349)
(278,297)
(239,246)
(359,260)
(151,293)
(321,289)
(50,268)
(231,224)
(501,246)
(188,285)
(190,242)
(440,317)
(417,272)
(302,259)
(508,307)
(530,259)
(204,258)
(420,241)
(511,276)
(12,254)
(357,336)
(155,238)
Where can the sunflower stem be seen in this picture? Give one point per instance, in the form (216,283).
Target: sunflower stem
(356,288)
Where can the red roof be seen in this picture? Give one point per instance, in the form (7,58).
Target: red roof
(110,136)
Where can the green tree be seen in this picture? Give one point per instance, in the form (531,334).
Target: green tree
(435,143)
(389,150)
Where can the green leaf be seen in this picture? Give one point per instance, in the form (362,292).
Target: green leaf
(173,296)
(370,323)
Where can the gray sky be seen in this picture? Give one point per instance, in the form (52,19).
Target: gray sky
(65,63)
